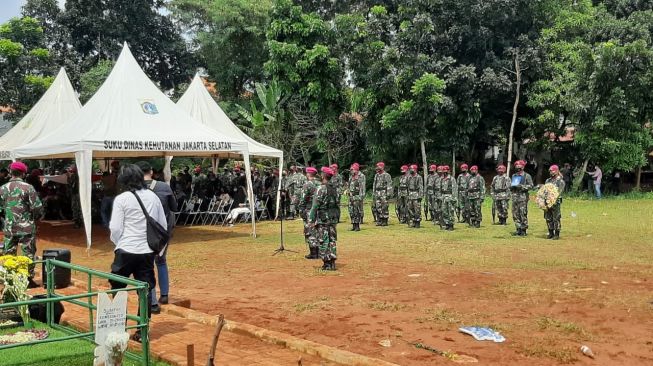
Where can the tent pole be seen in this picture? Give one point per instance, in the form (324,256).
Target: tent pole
(276,214)
(250,192)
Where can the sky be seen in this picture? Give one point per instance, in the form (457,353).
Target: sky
(11,8)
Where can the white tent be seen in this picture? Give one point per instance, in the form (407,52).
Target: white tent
(130,117)
(57,105)
(200,105)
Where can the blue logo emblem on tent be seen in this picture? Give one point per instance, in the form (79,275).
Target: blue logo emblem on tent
(149,108)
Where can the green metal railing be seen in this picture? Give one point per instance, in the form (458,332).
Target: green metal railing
(142,320)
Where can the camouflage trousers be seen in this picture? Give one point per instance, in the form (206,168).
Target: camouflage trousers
(436,210)
(473,208)
(552,217)
(27,244)
(501,208)
(310,233)
(520,214)
(414,210)
(327,237)
(76,207)
(463,208)
(402,208)
(448,210)
(339,204)
(381,206)
(294,203)
(356,211)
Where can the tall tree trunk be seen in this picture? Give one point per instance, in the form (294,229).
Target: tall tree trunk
(581,175)
(453,162)
(638,179)
(423,147)
(514,111)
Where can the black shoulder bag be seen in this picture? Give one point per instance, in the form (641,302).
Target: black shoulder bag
(157,235)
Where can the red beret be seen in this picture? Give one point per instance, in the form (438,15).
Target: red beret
(520,163)
(355,166)
(445,168)
(554,168)
(404,168)
(334,166)
(380,165)
(474,167)
(501,168)
(464,167)
(433,168)
(328,171)
(311,170)
(413,166)
(440,168)
(19,166)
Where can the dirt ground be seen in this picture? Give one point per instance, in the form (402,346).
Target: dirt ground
(593,287)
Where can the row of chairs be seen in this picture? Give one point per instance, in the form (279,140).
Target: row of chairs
(216,212)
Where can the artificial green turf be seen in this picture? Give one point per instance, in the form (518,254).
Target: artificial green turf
(77,352)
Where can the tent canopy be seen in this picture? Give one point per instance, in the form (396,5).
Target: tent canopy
(130,117)
(197,102)
(57,105)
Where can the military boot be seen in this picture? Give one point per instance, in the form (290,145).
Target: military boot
(385,222)
(332,265)
(556,234)
(416,225)
(313,254)
(357,227)
(450,227)
(523,232)
(326,265)
(353,227)
(551,234)
(517,232)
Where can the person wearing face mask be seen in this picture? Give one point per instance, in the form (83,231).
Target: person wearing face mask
(500,192)
(463,181)
(430,191)
(402,195)
(553,215)
(521,184)
(415,194)
(475,197)
(356,188)
(437,196)
(322,217)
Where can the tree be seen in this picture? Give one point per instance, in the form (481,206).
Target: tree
(25,68)
(230,39)
(91,80)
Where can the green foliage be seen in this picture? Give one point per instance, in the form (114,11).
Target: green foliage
(10,49)
(91,80)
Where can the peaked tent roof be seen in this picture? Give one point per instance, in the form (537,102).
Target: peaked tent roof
(197,102)
(57,105)
(130,116)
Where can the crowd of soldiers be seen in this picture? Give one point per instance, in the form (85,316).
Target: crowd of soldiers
(444,199)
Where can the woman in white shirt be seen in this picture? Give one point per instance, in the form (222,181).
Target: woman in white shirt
(132,255)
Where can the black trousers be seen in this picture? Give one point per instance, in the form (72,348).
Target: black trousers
(141,266)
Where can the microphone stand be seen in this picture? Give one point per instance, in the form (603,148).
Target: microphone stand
(282,202)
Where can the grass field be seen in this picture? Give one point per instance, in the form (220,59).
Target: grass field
(76,352)
(547,297)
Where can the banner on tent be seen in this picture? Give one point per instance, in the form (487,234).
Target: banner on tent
(166,145)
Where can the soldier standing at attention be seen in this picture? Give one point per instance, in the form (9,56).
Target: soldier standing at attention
(475,197)
(356,188)
(402,195)
(430,191)
(291,187)
(300,179)
(339,183)
(553,215)
(463,179)
(382,189)
(415,195)
(323,217)
(285,198)
(22,207)
(437,196)
(449,190)
(500,192)
(305,204)
(521,183)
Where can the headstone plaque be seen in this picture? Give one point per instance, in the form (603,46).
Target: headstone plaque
(111,316)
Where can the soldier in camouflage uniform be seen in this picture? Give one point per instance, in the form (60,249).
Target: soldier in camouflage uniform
(339,182)
(323,216)
(449,190)
(463,179)
(356,189)
(437,195)
(475,197)
(553,215)
(402,195)
(75,204)
(500,192)
(22,207)
(299,179)
(305,204)
(292,189)
(382,189)
(430,191)
(521,184)
(285,197)
(415,195)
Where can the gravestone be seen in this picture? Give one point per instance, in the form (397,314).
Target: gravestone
(111,316)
